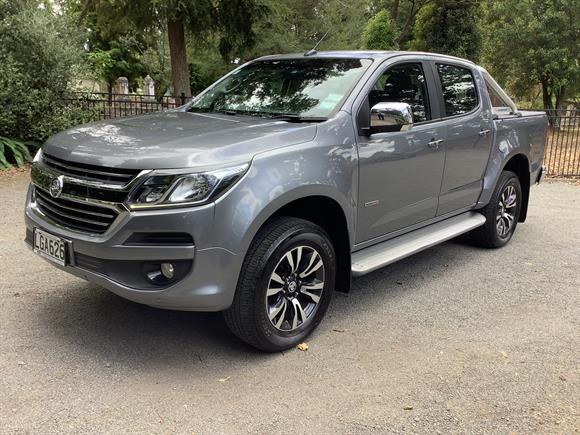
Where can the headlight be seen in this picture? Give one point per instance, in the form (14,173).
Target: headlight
(38,156)
(169,189)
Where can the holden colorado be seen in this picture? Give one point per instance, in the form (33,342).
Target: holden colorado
(282,181)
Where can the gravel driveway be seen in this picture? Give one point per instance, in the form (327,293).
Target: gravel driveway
(455,339)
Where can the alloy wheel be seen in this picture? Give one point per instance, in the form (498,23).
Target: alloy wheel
(506,212)
(295,288)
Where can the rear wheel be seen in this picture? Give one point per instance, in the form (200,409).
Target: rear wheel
(502,213)
(285,285)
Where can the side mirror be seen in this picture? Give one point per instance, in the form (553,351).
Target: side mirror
(387,117)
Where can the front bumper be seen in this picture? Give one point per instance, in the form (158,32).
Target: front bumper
(208,283)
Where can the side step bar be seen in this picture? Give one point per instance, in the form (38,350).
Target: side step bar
(384,253)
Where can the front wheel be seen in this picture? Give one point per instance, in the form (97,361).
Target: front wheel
(502,213)
(285,285)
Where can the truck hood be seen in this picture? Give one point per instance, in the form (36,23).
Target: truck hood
(175,140)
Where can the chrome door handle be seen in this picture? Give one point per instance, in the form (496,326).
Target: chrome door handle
(484,132)
(434,144)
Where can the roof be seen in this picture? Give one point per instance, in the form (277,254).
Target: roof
(363,54)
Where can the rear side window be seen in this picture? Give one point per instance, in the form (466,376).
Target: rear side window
(499,106)
(459,91)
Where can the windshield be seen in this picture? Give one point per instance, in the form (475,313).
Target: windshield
(301,87)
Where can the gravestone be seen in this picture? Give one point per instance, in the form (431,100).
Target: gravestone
(149,85)
(122,89)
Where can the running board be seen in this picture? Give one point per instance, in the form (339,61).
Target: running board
(384,253)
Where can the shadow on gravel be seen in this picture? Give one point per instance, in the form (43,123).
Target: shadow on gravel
(399,278)
(90,321)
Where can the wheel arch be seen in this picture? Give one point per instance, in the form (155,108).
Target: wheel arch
(326,212)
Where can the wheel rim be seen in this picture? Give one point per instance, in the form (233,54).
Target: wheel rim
(295,288)
(506,212)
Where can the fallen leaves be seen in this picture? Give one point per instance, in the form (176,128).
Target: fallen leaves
(303,347)
(407,408)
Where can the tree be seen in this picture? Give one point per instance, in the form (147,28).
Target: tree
(232,20)
(449,27)
(534,43)
(403,15)
(40,56)
(120,60)
(112,44)
(380,33)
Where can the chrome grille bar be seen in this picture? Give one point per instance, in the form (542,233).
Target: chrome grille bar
(89,172)
(48,200)
(84,217)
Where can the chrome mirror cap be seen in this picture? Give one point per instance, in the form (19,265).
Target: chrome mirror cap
(391,117)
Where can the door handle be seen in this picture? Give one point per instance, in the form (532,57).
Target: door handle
(434,144)
(484,133)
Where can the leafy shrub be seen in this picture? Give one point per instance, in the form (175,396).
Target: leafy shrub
(449,28)
(380,33)
(13,151)
(39,57)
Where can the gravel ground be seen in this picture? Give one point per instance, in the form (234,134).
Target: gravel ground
(453,340)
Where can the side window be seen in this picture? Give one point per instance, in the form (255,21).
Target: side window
(499,106)
(404,83)
(459,91)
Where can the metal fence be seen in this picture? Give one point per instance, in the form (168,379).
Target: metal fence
(107,106)
(562,154)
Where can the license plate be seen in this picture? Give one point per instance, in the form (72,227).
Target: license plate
(50,247)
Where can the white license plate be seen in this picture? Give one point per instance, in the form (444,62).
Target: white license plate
(49,246)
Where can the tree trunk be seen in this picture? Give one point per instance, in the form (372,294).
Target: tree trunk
(395,10)
(179,69)
(560,96)
(549,105)
(546,96)
(407,24)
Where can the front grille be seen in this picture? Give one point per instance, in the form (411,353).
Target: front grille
(90,218)
(90,172)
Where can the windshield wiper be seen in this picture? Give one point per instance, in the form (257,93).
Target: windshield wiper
(210,110)
(297,118)
(289,117)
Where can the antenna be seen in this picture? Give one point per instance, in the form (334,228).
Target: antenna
(313,51)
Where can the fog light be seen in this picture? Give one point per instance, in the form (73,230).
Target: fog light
(167,270)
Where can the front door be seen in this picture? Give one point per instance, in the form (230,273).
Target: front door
(400,172)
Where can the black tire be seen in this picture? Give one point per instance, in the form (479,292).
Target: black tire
(490,235)
(248,317)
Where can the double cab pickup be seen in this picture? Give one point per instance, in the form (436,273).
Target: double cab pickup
(282,181)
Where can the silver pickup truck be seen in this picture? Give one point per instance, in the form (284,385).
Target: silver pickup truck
(282,181)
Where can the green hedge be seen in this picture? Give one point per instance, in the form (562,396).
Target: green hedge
(39,57)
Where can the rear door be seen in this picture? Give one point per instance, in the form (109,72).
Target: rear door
(468,123)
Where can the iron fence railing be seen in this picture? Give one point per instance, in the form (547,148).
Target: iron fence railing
(107,106)
(562,153)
